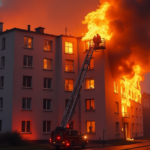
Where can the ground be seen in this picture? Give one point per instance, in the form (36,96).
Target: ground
(143,145)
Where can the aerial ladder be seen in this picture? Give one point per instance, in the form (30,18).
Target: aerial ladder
(96,44)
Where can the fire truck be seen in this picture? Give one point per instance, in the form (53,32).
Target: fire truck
(62,136)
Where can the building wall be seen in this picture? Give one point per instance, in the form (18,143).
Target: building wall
(8,72)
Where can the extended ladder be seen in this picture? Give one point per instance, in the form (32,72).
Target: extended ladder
(71,103)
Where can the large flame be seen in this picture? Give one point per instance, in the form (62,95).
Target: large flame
(130,88)
(97,24)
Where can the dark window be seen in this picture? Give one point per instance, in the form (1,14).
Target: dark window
(2,82)
(26,103)
(47,83)
(46,126)
(90,104)
(66,102)
(28,126)
(27,61)
(3,43)
(0,125)
(25,126)
(2,62)
(27,80)
(1,103)
(71,125)
(46,104)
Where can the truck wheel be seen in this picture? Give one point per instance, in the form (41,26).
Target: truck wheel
(83,146)
(57,147)
(71,146)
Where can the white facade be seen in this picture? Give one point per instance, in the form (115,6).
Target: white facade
(31,118)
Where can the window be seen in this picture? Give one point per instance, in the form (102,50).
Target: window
(137,128)
(26,103)
(140,113)
(47,64)
(69,65)
(68,84)
(2,82)
(47,83)
(28,42)
(27,61)
(46,126)
(47,45)
(0,125)
(117,127)
(90,126)
(87,45)
(91,65)
(27,81)
(89,83)
(139,99)
(46,104)
(66,102)
(132,111)
(133,128)
(141,128)
(2,62)
(90,104)
(25,126)
(3,43)
(116,87)
(116,107)
(1,103)
(137,112)
(68,48)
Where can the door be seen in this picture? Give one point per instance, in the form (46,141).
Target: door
(126,130)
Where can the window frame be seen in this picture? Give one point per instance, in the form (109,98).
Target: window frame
(2,62)
(91,126)
(117,106)
(90,105)
(46,126)
(27,61)
(0,126)
(47,45)
(89,83)
(116,87)
(46,104)
(69,65)
(47,85)
(47,64)
(69,84)
(25,127)
(1,103)
(68,48)
(89,66)
(133,128)
(28,43)
(26,82)
(26,103)
(1,82)
(117,126)
(3,43)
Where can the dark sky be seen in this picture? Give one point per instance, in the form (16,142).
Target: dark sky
(54,15)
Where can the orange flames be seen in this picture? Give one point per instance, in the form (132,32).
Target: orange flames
(97,24)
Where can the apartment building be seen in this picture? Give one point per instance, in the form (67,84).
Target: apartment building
(37,74)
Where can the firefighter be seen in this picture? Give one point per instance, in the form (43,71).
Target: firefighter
(97,40)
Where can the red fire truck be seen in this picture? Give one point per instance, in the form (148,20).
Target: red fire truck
(61,136)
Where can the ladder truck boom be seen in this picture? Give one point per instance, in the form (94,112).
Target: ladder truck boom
(98,44)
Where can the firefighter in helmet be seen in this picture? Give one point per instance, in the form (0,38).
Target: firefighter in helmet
(97,40)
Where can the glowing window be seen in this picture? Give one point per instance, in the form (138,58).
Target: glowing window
(3,43)
(87,45)
(139,99)
(27,81)
(68,47)
(47,83)
(47,64)
(116,107)
(46,126)
(2,62)
(90,104)
(115,87)
(26,103)
(25,126)
(28,42)
(69,65)
(91,65)
(47,45)
(0,125)
(46,104)
(68,84)
(1,103)
(117,127)
(90,126)
(89,83)
(27,61)
(2,82)
(133,128)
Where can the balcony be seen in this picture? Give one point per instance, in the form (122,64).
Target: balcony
(125,115)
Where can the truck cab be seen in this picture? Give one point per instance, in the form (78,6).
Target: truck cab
(63,137)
